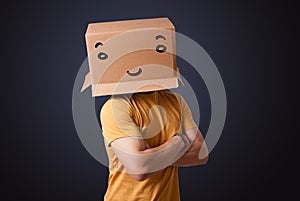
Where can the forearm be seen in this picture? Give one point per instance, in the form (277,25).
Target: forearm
(153,159)
(174,143)
(188,160)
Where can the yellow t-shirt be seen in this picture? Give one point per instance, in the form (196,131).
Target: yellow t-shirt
(139,116)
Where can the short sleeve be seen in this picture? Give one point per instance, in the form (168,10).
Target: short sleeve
(187,120)
(116,120)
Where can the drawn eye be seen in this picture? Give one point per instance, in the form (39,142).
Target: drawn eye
(161,48)
(102,56)
(98,43)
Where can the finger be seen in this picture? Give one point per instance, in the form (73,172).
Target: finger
(147,146)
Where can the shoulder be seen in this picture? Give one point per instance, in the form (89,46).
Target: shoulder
(115,102)
(168,93)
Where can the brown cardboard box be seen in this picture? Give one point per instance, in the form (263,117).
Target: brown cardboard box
(131,56)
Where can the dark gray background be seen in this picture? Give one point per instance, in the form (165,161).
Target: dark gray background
(253,44)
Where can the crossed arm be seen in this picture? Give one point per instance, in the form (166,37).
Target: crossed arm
(141,161)
(197,153)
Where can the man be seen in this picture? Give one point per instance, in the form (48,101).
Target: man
(141,183)
(149,131)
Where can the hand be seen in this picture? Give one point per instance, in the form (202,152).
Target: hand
(195,146)
(196,154)
(191,134)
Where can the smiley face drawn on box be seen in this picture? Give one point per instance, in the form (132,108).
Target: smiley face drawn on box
(131,56)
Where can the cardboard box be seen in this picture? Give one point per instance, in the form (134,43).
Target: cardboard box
(131,56)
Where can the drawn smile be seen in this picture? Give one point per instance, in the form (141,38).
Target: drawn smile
(135,73)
